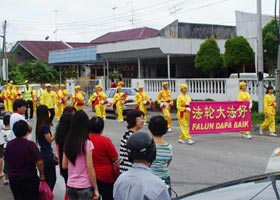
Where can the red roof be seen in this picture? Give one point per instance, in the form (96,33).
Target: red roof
(40,49)
(131,34)
(79,44)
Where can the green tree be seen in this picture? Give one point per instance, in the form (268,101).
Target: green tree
(270,45)
(35,71)
(209,58)
(238,52)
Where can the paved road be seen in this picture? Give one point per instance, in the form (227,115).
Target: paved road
(213,159)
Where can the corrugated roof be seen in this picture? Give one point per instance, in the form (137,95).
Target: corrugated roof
(125,35)
(40,49)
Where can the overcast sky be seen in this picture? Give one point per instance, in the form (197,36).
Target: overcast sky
(84,20)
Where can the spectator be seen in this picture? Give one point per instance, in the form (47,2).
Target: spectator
(22,157)
(44,137)
(77,157)
(8,136)
(113,84)
(139,182)
(158,128)
(104,156)
(135,121)
(19,108)
(62,132)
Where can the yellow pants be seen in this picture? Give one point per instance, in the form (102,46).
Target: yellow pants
(184,125)
(10,105)
(35,105)
(98,111)
(58,110)
(103,110)
(269,121)
(143,108)
(119,107)
(6,106)
(166,115)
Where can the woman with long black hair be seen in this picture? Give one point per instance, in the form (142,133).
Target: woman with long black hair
(44,137)
(77,157)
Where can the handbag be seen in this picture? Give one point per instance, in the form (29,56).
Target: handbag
(45,192)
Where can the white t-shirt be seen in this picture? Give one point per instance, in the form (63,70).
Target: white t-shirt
(7,135)
(2,141)
(14,118)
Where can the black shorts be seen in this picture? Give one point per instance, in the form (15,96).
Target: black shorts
(1,150)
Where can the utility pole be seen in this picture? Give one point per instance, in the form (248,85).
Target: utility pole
(4,63)
(277,74)
(260,56)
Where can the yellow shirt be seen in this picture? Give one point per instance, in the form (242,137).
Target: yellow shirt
(140,97)
(243,96)
(97,96)
(59,96)
(181,102)
(77,96)
(118,97)
(164,96)
(269,103)
(49,99)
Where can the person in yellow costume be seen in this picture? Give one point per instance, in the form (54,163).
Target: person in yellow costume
(65,95)
(118,102)
(59,102)
(142,100)
(17,93)
(49,99)
(99,100)
(269,103)
(78,97)
(41,91)
(183,114)
(120,82)
(4,96)
(10,97)
(165,101)
(243,95)
(36,101)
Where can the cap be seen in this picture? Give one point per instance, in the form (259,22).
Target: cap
(140,87)
(164,83)
(11,82)
(48,85)
(119,87)
(62,85)
(241,84)
(140,146)
(26,81)
(77,87)
(98,86)
(183,86)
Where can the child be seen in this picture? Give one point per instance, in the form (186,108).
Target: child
(158,128)
(269,103)
(8,136)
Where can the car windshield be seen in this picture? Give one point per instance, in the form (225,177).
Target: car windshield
(129,91)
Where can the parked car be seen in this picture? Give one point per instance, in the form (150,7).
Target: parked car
(129,103)
(265,186)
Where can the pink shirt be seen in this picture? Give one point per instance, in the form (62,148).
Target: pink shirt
(78,176)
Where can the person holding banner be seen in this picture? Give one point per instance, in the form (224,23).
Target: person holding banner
(183,114)
(142,100)
(165,101)
(243,95)
(269,103)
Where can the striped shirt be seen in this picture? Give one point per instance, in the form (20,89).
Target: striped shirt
(125,164)
(163,157)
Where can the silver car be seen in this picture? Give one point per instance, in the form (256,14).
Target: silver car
(129,103)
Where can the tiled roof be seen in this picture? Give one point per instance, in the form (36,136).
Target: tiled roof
(40,49)
(131,34)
